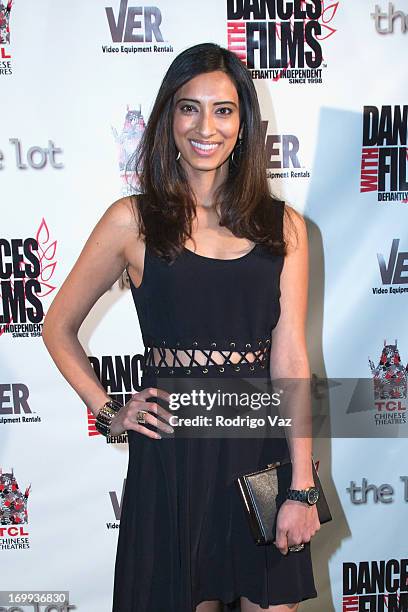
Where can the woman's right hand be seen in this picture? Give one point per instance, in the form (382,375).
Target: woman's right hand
(125,418)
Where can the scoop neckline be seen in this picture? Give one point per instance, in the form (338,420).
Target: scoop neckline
(217,258)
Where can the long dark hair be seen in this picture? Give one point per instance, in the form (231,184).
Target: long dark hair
(165,205)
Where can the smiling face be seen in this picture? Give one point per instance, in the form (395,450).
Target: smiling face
(206,121)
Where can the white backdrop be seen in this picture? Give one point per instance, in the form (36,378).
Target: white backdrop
(65,96)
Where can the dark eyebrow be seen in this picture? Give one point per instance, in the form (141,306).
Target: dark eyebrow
(215,103)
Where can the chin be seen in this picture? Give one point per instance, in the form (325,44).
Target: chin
(205,164)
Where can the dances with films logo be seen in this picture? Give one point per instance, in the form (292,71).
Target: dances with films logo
(390,378)
(27,266)
(13,513)
(384,154)
(135,29)
(6,67)
(281,40)
(120,376)
(377,586)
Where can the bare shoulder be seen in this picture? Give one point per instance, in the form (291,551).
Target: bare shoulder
(123,213)
(124,223)
(294,229)
(113,243)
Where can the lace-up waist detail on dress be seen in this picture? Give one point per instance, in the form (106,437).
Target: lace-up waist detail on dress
(195,357)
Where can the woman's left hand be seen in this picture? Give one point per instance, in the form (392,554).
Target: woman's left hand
(296,523)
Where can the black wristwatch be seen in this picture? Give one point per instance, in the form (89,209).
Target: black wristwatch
(309,495)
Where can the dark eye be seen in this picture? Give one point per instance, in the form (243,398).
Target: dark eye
(186,108)
(225,108)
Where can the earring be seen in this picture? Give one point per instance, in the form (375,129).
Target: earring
(178,156)
(238,147)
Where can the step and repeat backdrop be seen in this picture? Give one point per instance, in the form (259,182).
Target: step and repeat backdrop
(77,83)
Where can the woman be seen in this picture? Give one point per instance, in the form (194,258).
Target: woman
(220,289)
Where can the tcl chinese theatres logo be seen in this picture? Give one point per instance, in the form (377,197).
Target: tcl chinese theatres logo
(5,11)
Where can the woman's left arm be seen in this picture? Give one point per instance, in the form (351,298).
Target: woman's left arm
(297,521)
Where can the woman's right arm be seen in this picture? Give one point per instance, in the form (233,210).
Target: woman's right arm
(100,263)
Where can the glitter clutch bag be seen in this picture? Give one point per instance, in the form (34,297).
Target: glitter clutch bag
(264,491)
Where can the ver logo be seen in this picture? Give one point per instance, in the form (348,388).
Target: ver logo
(128,28)
(396,270)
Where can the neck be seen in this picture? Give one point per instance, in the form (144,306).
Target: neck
(204,182)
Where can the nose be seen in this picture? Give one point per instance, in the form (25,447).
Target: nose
(206,126)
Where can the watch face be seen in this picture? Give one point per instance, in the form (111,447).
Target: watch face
(313,495)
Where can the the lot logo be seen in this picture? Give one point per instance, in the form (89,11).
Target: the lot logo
(390,386)
(138,25)
(393,271)
(27,266)
(384,22)
(13,513)
(375,586)
(120,376)
(384,154)
(35,157)
(383,493)
(282,152)
(280,41)
(127,141)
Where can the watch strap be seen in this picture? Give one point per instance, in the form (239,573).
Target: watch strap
(297,494)
(302,495)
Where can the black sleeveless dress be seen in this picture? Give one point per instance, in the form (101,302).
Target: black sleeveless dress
(184,537)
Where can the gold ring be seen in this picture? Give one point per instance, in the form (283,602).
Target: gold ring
(296,547)
(140,416)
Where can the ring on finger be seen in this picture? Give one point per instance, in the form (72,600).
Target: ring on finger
(296,547)
(140,416)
